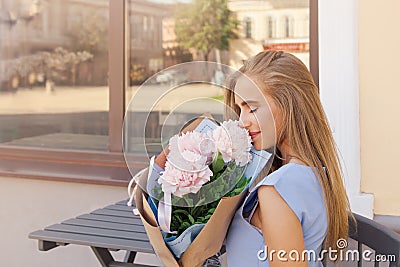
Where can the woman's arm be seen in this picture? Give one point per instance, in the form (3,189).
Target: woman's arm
(281,229)
(162,158)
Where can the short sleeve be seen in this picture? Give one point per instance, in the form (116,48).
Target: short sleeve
(299,190)
(157,168)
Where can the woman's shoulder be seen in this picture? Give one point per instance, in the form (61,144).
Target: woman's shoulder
(298,186)
(293,175)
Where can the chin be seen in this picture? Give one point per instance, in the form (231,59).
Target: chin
(257,145)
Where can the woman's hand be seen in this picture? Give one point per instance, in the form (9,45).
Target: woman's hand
(281,229)
(161,159)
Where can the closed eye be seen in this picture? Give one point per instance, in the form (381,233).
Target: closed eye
(253,110)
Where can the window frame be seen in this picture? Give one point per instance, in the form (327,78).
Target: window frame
(105,167)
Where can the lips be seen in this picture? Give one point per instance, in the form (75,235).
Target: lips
(254,134)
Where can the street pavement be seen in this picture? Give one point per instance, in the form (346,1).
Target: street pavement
(188,98)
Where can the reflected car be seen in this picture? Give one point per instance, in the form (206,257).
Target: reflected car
(171,77)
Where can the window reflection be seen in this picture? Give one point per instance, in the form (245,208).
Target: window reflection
(54,73)
(165,33)
(248,27)
(278,25)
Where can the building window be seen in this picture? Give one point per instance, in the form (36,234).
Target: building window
(271,27)
(248,29)
(288,27)
(145,26)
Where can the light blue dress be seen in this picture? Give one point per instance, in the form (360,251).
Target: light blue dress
(299,187)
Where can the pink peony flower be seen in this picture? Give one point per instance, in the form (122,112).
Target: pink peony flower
(190,151)
(233,141)
(180,183)
(223,143)
(186,169)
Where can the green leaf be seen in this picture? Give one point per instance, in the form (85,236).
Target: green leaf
(236,191)
(201,201)
(191,219)
(218,164)
(181,211)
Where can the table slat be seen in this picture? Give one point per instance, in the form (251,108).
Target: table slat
(93,241)
(84,230)
(105,225)
(104,218)
(119,207)
(124,202)
(118,213)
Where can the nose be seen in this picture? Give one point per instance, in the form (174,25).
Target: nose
(244,120)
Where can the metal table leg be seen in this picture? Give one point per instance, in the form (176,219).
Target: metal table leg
(103,255)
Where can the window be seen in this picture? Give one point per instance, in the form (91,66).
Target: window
(288,27)
(247,23)
(69,68)
(271,27)
(54,91)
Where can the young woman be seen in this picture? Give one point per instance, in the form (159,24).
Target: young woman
(301,207)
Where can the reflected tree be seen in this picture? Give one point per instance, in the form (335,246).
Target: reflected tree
(90,34)
(59,64)
(205,25)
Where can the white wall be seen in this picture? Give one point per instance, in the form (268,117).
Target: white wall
(339,88)
(29,205)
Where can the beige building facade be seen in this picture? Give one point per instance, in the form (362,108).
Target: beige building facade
(280,25)
(379,103)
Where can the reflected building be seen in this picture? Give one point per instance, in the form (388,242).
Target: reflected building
(273,24)
(42,26)
(145,39)
(31,26)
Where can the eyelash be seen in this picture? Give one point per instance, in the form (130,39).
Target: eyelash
(251,110)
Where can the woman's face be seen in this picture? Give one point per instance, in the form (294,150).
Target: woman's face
(257,113)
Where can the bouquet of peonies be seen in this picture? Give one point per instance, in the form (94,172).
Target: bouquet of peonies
(201,168)
(194,197)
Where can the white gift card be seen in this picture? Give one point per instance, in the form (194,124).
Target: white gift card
(206,125)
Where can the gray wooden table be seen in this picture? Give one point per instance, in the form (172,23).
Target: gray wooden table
(111,228)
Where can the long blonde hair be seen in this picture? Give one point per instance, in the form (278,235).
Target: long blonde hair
(305,126)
